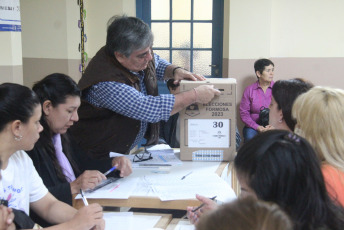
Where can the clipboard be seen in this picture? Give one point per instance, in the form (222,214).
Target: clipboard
(105,182)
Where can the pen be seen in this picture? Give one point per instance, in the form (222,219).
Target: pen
(195,209)
(110,170)
(155,165)
(186,176)
(83,197)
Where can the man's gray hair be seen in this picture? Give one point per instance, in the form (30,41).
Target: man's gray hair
(127,34)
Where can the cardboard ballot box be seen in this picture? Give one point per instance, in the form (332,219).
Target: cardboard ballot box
(207,131)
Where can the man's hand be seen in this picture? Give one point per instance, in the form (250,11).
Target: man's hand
(182,74)
(205,93)
(123,164)
(201,94)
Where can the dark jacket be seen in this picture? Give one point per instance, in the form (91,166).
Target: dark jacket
(57,187)
(100,131)
(168,131)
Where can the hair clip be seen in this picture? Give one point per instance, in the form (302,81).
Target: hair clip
(293,137)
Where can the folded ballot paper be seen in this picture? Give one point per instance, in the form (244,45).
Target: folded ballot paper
(161,155)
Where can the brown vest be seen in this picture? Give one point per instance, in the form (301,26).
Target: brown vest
(100,131)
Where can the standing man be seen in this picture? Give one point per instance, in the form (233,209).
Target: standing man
(120,102)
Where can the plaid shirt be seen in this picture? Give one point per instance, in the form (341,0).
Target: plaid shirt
(127,101)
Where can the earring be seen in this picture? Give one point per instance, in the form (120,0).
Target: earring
(280,121)
(18,138)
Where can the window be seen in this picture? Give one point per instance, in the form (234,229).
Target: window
(188,33)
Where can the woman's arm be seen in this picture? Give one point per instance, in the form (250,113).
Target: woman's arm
(208,205)
(53,210)
(245,108)
(57,212)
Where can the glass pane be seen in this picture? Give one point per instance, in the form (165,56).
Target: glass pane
(202,35)
(181,9)
(201,62)
(203,10)
(181,58)
(181,35)
(161,33)
(164,54)
(160,9)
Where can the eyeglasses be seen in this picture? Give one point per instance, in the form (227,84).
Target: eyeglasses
(142,156)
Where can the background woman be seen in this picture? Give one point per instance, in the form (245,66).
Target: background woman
(21,186)
(280,167)
(320,119)
(255,96)
(284,93)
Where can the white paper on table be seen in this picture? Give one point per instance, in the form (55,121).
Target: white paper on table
(120,189)
(128,221)
(171,187)
(184,225)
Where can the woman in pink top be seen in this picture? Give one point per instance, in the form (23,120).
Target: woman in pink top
(319,114)
(255,97)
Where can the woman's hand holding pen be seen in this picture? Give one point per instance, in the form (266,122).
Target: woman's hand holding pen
(89,217)
(123,165)
(87,180)
(207,205)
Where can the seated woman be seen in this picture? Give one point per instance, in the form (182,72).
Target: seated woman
(284,93)
(21,186)
(246,214)
(255,97)
(281,167)
(55,155)
(319,114)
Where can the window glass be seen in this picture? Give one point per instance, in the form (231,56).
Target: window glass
(181,35)
(202,35)
(160,9)
(203,10)
(181,58)
(181,9)
(161,32)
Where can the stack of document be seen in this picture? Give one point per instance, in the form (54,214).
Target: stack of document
(162,155)
(161,148)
